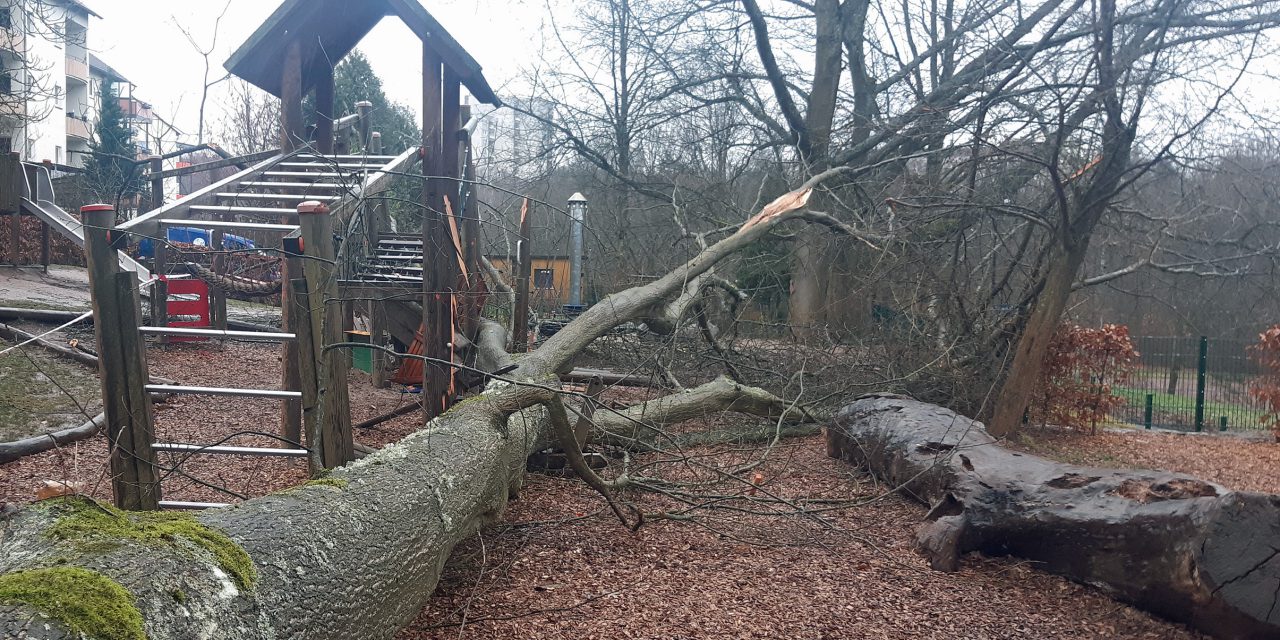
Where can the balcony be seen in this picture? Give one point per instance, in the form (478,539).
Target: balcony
(78,69)
(77,128)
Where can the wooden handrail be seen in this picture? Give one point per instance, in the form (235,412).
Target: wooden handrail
(216,164)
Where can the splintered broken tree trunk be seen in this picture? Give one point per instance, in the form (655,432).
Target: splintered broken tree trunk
(1183,548)
(358,552)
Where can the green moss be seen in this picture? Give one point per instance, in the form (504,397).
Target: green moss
(87,602)
(179,596)
(91,525)
(327,482)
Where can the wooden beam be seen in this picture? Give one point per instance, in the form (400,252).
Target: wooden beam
(293,131)
(122,367)
(325,315)
(438,252)
(238,162)
(292,412)
(11,177)
(218,297)
(157,182)
(300,307)
(324,110)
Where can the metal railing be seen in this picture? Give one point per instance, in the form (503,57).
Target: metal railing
(1191,384)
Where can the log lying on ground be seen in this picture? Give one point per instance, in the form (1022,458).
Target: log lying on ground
(10,451)
(353,555)
(1186,549)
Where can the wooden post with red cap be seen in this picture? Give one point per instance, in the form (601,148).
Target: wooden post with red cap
(122,365)
(325,317)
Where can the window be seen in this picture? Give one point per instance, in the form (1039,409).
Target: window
(6,83)
(6,145)
(57,155)
(544,278)
(6,17)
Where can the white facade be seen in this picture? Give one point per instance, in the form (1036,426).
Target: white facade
(49,101)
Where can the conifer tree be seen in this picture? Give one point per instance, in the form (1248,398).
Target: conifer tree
(110,171)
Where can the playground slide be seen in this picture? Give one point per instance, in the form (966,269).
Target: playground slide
(42,207)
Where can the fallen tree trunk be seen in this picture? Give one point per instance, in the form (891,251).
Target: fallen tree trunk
(10,451)
(1186,549)
(353,555)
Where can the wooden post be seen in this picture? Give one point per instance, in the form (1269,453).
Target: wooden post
(364,109)
(45,249)
(293,131)
(377,336)
(292,316)
(375,143)
(524,264)
(310,388)
(11,177)
(122,366)
(157,182)
(438,252)
(325,315)
(324,110)
(218,297)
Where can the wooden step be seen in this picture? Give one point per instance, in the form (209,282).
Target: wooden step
(305,174)
(219,208)
(294,185)
(349,156)
(275,196)
(329,165)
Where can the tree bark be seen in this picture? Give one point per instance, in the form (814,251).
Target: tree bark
(1185,549)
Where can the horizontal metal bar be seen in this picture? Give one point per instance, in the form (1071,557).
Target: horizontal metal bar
(211,224)
(178,504)
(231,451)
(225,391)
(264,336)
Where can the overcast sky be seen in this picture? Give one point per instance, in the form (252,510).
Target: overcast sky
(141,40)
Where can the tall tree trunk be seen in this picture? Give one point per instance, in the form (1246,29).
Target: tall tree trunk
(1033,343)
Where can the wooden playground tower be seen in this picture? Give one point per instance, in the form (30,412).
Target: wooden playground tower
(291,54)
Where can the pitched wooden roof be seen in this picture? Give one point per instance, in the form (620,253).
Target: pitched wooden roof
(331,29)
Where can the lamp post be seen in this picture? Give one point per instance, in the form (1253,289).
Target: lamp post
(577,213)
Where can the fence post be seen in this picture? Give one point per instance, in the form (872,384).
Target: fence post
(122,365)
(1148,410)
(218,297)
(307,372)
(1222,423)
(1202,364)
(325,315)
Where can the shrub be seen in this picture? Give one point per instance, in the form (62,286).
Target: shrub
(1079,373)
(1266,388)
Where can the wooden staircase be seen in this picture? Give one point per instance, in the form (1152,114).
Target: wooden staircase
(271,190)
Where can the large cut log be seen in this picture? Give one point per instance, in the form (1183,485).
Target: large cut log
(1186,549)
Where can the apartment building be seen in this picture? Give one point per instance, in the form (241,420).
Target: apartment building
(50,83)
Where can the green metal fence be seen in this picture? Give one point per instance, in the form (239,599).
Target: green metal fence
(1191,384)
